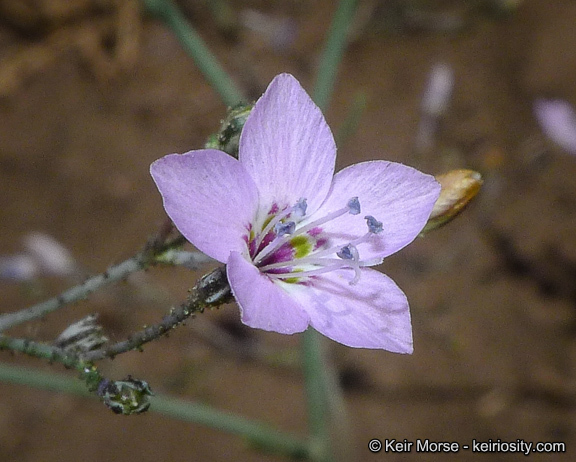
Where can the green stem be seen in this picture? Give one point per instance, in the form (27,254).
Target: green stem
(333,51)
(319,378)
(352,120)
(41,350)
(261,436)
(42,380)
(316,394)
(210,291)
(88,372)
(197,49)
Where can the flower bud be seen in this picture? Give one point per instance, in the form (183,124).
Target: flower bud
(228,138)
(128,396)
(459,187)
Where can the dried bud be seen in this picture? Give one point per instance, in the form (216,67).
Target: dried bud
(128,396)
(82,336)
(459,187)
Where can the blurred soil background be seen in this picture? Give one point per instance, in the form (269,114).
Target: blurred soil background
(92,91)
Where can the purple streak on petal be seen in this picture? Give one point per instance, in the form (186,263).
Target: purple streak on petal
(373,313)
(398,196)
(558,121)
(315,231)
(210,198)
(263,304)
(287,147)
(284,253)
(320,243)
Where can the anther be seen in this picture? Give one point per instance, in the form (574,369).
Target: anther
(354,206)
(284,228)
(299,209)
(374,226)
(348,252)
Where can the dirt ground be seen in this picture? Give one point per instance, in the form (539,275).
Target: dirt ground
(493,295)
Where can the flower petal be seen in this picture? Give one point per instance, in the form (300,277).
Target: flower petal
(373,313)
(287,146)
(399,196)
(263,304)
(210,198)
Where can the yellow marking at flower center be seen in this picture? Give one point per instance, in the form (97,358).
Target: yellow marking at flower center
(301,245)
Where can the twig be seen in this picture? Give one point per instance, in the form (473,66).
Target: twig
(211,290)
(52,353)
(113,274)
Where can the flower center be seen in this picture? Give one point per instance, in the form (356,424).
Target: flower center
(290,249)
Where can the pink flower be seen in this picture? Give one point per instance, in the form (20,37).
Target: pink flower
(297,239)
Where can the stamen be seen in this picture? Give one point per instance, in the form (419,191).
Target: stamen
(284,228)
(336,248)
(349,259)
(319,261)
(374,226)
(318,271)
(278,242)
(354,205)
(348,252)
(299,209)
(332,262)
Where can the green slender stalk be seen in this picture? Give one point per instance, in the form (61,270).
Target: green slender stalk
(259,435)
(352,120)
(323,394)
(333,51)
(43,380)
(197,49)
(316,395)
(88,372)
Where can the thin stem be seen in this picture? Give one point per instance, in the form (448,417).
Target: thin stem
(197,49)
(41,350)
(74,294)
(211,290)
(43,380)
(113,274)
(323,393)
(316,394)
(352,120)
(333,51)
(70,360)
(261,436)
